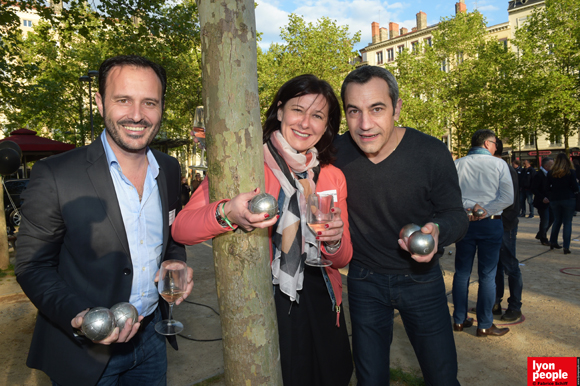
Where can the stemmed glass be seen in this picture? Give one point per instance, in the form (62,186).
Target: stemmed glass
(172,285)
(318,215)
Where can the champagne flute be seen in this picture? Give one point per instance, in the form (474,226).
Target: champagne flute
(172,285)
(318,215)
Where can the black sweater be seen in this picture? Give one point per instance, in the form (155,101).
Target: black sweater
(417,183)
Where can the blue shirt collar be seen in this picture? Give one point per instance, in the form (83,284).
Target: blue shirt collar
(112,158)
(478,150)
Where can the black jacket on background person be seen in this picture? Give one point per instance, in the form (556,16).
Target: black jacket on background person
(540,189)
(527,178)
(509,216)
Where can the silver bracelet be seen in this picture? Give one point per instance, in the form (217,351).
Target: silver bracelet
(332,248)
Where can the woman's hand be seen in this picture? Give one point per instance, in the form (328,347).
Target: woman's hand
(334,229)
(236,210)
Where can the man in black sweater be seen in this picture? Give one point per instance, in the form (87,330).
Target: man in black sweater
(541,188)
(508,261)
(396,176)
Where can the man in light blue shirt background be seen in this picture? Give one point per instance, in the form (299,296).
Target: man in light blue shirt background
(486,184)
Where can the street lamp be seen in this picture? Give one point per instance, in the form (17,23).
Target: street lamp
(88,78)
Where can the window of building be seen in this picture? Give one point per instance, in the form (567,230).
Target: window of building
(429,41)
(555,139)
(415,47)
(444,66)
(364,57)
(401,48)
(530,140)
(503,43)
(459,57)
(380,57)
(27,23)
(390,54)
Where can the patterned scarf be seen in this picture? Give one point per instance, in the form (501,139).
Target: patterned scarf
(293,239)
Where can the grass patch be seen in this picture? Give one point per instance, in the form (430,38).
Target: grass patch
(7,272)
(211,381)
(407,379)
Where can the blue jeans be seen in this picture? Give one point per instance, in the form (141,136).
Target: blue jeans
(485,237)
(529,196)
(422,303)
(509,263)
(563,213)
(546,220)
(141,361)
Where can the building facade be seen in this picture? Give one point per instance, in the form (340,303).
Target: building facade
(387,43)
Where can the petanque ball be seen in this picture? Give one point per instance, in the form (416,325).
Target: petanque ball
(408,230)
(123,311)
(98,323)
(479,213)
(421,243)
(263,202)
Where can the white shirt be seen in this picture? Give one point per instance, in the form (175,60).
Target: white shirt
(485,180)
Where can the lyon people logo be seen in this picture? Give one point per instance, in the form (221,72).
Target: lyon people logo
(552,371)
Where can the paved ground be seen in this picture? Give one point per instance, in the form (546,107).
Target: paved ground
(549,328)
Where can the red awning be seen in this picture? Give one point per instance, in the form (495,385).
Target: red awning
(30,142)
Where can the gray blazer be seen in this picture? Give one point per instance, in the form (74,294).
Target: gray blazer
(73,254)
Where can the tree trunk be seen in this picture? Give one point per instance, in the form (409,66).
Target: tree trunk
(236,165)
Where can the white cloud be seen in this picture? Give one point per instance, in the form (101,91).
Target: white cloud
(269,19)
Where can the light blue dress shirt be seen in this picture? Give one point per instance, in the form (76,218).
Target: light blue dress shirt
(144,227)
(485,180)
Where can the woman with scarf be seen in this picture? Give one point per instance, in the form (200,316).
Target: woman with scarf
(300,126)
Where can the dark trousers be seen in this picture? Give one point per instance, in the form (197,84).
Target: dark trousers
(563,212)
(546,220)
(509,263)
(422,303)
(526,195)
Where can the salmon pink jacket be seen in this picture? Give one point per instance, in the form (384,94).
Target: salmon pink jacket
(196,222)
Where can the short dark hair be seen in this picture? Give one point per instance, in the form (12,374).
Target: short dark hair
(516,161)
(131,60)
(498,147)
(480,136)
(364,74)
(545,160)
(305,85)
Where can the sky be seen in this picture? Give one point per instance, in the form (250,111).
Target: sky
(271,15)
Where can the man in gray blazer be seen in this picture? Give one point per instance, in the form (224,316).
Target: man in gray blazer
(95,228)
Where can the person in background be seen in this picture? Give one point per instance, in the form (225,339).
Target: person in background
(508,262)
(185,190)
(563,188)
(541,188)
(486,184)
(195,183)
(300,125)
(527,176)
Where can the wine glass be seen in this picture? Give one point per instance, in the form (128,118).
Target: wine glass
(172,285)
(317,216)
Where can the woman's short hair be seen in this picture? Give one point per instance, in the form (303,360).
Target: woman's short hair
(305,85)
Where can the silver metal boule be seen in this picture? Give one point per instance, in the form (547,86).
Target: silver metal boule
(408,230)
(98,323)
(122,312)
(469,212)
(263,202)
(421,243)
(479,213)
